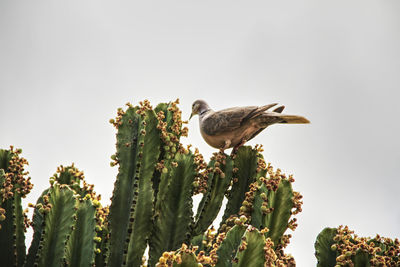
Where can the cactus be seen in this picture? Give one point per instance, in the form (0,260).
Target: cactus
(58,212)
(13,186)
(80,247)
(230,244)
(138,145)
(242,245)
(174,210)
(82,216)
(152,204)
(245,173)
(220,171)
(341,247)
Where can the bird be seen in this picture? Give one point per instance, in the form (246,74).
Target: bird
(233,127)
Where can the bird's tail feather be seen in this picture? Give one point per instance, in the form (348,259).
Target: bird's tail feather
(292,119)
(269,118)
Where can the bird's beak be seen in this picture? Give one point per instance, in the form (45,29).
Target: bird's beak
(191,115)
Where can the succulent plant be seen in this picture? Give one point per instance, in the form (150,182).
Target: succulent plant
(341,247)
(152,204)
(14,185)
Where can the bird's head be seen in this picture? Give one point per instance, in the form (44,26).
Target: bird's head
(198,107)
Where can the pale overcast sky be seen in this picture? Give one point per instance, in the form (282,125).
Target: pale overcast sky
(66,66)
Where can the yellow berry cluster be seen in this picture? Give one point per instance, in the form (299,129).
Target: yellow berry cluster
(118,120)
(347,244)
(144,107)
(176,126)
(15,180)
(2,215)
(167,259)
(200,181)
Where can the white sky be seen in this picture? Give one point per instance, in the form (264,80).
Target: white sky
(66,66)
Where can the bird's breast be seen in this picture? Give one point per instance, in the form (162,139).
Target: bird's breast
(216,141)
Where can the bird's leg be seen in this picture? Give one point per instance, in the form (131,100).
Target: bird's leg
(226,146)
(236,148)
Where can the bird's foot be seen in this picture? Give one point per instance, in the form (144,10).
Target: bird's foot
(226,146)
(236,148)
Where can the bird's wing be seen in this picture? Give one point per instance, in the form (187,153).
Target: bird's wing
(230,119)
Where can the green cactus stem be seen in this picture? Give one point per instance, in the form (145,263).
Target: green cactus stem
(72,177)
(80,249)
(59,213)
(251,250)
(163,116)
(38,225)
(341,247)
(141,218)
(137,153)
(126,184)
(218,182)
(279,206)
(187,259)
(102,248)
(229,246)
(13,186)
(325,255)
(170,126)
(12,237)
(245,173)
(173,214)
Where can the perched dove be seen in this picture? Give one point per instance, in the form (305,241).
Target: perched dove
(233,127)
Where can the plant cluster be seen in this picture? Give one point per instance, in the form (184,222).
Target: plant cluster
(152,208)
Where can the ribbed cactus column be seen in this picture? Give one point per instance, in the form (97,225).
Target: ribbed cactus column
(244,173)
(325,255)
(13,186)
(251,250)
(173,213)
(220,171)
(138,143)
(272,208)
(38,225)
(142,206)
(59,215)
(227,249)
(78,248)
